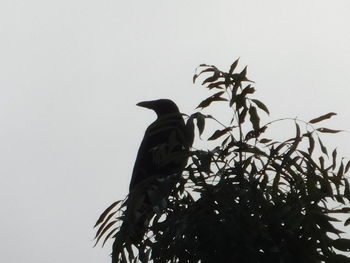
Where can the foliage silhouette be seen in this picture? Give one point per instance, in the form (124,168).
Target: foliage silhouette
(249,198)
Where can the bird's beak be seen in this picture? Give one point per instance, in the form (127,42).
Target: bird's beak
(146,104)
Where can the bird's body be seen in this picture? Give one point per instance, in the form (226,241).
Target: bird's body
(161,158)
(162,145)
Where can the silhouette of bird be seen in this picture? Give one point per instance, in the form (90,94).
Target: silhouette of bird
(164,145)
(163,153)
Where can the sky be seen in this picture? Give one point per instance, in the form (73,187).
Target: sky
(71,72)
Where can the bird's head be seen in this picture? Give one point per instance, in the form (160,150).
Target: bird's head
(161,106)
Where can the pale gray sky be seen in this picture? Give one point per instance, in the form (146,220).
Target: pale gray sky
(71,72)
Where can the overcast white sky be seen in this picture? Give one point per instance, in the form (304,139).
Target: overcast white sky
(71,72)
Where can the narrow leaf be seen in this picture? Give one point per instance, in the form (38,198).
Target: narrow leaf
(334,157)
(344,210)
(195,76)
(219,133)
(323,117)
(347,167)
(347,222)
(233,66)
(224,142)
(216,85)
(210,69)
(105,229)
(340,170)
(311,143)
(104,223)
(109,235)
(213,78)
(261,105)
(254,150)
(242,115)
(243,73)
(276,181)
(264,140)
(205,103)
(247,90)
(105,213)
(323,149)
(326,130)
(200,124)
(297,127)
(347,189)
(254,118)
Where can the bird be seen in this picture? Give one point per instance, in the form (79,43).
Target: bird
(161,158)
(163,146)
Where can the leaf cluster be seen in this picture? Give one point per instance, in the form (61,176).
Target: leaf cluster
(250,198)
